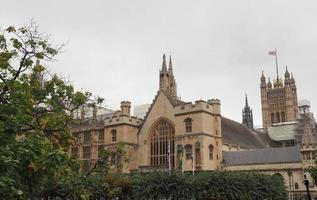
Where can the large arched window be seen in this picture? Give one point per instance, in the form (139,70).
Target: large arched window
(162,144)
(188,125)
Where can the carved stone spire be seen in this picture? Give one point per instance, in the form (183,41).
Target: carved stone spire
(246,100)
(247,116)
(170,66)
(164,68)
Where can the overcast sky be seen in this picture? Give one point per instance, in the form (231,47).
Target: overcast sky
(219,48)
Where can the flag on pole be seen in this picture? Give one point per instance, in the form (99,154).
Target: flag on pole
(273,53)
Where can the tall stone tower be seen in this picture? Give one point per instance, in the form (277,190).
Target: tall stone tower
(306,133)
(247,116)
(167,80)
(279,101)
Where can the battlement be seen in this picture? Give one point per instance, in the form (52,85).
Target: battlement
(125,103)
(122,119)
(308,147)
(211,106)
(125,108)
(214,101)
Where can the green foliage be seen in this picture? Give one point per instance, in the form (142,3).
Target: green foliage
(208,185)
(36,115)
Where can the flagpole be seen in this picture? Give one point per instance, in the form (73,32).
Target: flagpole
(276,63)
(182,166)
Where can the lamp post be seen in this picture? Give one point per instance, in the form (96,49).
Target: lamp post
(289,173)
(193,164)
(306,182)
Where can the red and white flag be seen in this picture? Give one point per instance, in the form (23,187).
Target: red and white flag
(273,53)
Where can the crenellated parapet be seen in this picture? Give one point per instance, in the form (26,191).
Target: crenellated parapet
(88,125)
(116,120)
(308,147)
(212,107)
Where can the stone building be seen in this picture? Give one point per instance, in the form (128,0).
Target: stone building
(247,115)
(287,162)
(189,136)
(278,100)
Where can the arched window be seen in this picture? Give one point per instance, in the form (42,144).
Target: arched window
(283,116)
(188,125)
(162,144)
(113,135)
(197,154)
(296,186)
(211,152)
(278,120)
(188,151)
(272,118)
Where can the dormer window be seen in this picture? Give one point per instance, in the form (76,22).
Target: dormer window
(188,125)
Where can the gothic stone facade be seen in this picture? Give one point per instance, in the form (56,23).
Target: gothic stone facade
(173,134)
(184,136)
(279,102)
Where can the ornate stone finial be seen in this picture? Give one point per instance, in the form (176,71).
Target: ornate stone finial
(170,67)
(246,101)
(286,73)
(262,77)
(164,63)
(269,84)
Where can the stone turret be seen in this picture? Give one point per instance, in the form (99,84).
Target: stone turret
(167,80)
(125,108)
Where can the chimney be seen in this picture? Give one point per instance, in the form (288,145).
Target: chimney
(125,108)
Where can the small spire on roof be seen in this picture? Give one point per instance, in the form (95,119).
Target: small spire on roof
(246,101)
(170,67)
(164,69)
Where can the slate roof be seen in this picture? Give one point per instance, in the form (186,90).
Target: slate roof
(262,156)
(282,132)
(238,134)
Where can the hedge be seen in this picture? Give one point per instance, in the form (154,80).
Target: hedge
(220,185)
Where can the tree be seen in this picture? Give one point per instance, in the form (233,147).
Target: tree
(36,114)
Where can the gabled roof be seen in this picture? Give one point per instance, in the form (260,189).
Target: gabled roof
(172,100)
(235,133)
(262,156)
